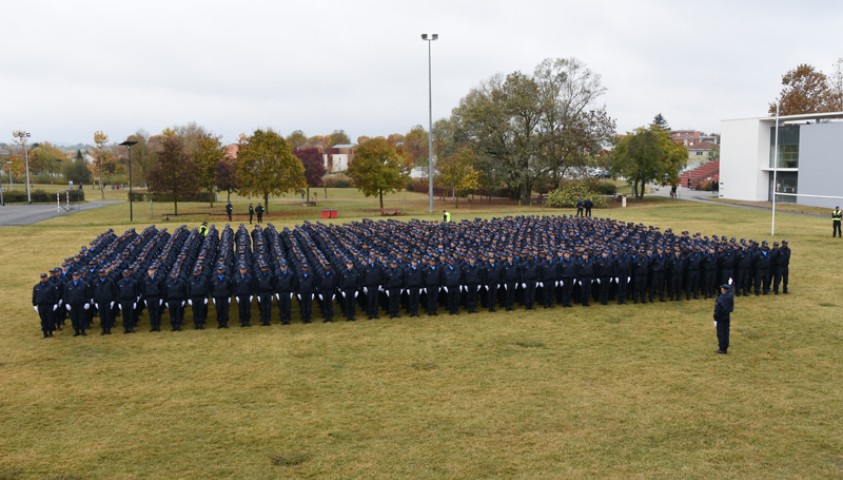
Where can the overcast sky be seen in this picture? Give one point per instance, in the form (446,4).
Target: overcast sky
(71,67)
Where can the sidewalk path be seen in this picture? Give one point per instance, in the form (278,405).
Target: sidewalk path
(18,215)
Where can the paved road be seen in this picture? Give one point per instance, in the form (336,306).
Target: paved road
(17,215)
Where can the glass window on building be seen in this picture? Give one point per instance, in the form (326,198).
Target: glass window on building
(788,146)
(786,182)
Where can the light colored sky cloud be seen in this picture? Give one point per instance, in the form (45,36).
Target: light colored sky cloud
(72,67)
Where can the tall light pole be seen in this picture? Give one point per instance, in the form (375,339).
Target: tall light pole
(775,170)
(129,144)
(22,135)
(429,40)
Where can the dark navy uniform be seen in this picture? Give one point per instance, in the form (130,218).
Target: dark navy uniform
(393,286)
(492,278)
(77,295)
(45,301)
(221,291)
(198,288)
(265,286)
(244,290)
(176,292)
(511,277)
(105,297)
(153,297)
(327,284)
(372,279)
(723,308)
(285,282)
(432,284)
(781,265)
(305,288)
(472,278)
(567,272)
(413,282)
(349,284)
(127,295)
(452,280)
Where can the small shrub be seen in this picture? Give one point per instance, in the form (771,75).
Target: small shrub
(569,192)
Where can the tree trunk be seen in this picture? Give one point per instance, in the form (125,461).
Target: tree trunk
(211,193)
(228,197)
(308,195)
(380,195)
(175,204)
(266,202)
(456,200)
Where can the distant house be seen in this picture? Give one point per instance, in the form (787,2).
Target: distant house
(338,158)
(701,147)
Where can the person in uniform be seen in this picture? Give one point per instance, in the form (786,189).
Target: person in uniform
(153,293)
(491,282)
(221,291)
(413,282)
(349,284)
(327,284)
(251,213)
(244,291)
(432,284)
(723,308)
(305,288)
(198,288)
(473,278)
(285,284)
(452,283)
(105,297)
(259,211)
(176,293)
(45,302)
(229,209)
(76,300)
(265,286)
(781,266)
(393,286)
(585,275)
(372,279)
(836,218)
(127,296)
(203,229)
(511,277)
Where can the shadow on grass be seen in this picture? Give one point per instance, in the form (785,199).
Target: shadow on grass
(289,460)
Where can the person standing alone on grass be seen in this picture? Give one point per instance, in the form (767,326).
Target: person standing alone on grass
(259,211)
(251,213)
(228,210)
(836,217)
(723,308)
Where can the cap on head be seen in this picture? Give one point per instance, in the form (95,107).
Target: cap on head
(726,286)
(43,275)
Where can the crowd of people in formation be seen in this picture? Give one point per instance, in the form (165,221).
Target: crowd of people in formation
(375,268)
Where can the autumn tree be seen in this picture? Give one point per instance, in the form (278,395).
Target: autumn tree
(338,137)
(225,176)
(175,172)
(648,155)
(457,172)
(416,146)
(806,90)
(207,152)
(314,166)
(105,163)
(660,122)
(46,158)
(266,166)
(77,171)
(296,139)
(378,169)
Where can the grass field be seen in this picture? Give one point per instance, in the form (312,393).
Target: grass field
(606,392)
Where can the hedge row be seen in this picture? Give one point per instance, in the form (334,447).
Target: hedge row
(40,196)
(167,197)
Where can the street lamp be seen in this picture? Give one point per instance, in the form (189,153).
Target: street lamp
(430,39)
(129,144)
(22,136)
(775,170)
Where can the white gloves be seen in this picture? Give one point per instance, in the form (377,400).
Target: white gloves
(55,307)
(715,324)
(206,300)
(251,298)
(68,307)
(87,306)
(190,302)
(36,308)
(445,288)
(112,304)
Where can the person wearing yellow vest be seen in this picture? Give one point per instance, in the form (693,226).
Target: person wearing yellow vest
(836,217)
(203,229)
(446,216)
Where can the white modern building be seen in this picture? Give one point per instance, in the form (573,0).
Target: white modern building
(809,160)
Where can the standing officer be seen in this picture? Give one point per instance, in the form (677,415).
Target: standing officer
(105,295)
(585,275)
(259,212)
(57,280)
(781,266)
(176,292)
(349,283)
(127,296)
(45,301)
(244,290)
(567,271)
(228,210)
(413,282)
(372,279)
(723,308)
(492,277)
(836,217)
(473,277)
(203,229)
(394,285)
(511,276)
(452,279)
(285,285)
(76,297)
(305,288)
(251,213)
(604,268)
(529,280)
(265,286)
(221,290)
(327,288)
(153,292)
(432,283)
(197,288)
(588,204)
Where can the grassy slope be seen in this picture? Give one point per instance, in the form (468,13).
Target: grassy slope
(605,392)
